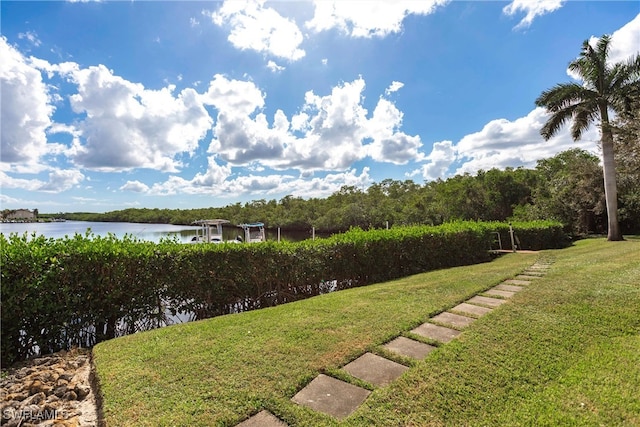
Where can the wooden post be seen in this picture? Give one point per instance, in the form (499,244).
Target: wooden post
(513,243)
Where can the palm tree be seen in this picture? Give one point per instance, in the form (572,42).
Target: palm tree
(605,88)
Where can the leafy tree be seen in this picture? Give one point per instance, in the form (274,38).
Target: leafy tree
(605,87)
(570,190)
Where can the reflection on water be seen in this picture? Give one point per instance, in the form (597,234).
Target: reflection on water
(148,232)
(58,230)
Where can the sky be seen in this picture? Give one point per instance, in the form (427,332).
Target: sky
(191,104)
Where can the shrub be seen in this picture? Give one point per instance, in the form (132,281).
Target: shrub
(59,293)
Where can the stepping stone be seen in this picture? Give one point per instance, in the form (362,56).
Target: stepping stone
(375,369)
(491,302)
(499,293)
(526,277)
(262,419)
(539,267)
(435,332)
(410,348)
(455,320)
(331,396)
(510,288)
(538,274)
(516,282)
(471,309)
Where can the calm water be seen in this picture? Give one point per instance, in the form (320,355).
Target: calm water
(57,230)
(148,232)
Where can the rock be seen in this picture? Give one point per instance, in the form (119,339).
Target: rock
(35,399)
(17,396)
(49,391)
(70,395)
(60,391)
(82,391)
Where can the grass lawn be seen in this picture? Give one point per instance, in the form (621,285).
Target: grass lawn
(564,351)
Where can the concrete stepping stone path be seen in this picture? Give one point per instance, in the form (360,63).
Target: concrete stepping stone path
(262,419)
(526,277)
(375,369)
(510,288)
(339,399)
(409,348)
(517,282)
(453,320)
(475,310)
(435,332)
(499,293)
(331,396)
(491,302)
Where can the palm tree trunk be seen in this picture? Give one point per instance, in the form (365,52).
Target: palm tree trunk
(610,186)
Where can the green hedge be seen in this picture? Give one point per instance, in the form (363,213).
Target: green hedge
(532,235)
(59,293)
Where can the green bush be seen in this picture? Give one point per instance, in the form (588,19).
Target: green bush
(60,293)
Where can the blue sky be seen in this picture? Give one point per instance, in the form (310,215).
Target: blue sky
(110,105)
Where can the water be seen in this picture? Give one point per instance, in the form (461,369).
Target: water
(148,232)
(58,230)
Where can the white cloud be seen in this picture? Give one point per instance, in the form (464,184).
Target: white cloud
(329,132)
(442,156)
(373,18)
(274,67)
(625,41)
(258,185)
(26,109)
(135,186)
(259,28)
(128,126)
(503,143)
(394,87)
(389,144)
(59,180)
(532,8)
(233,97)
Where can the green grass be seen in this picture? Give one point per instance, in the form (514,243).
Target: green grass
(565,351)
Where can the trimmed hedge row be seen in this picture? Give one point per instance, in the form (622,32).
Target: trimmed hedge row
(59,293)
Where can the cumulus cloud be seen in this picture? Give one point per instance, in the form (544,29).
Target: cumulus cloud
(371,19)
(389,143)
(259,28)
(223,185)
(26,108)
(274,67)
(329,132)
(438,162)
(59,180)
(128,126)
(625,41)
(532,9)
(503,143)
(135,186)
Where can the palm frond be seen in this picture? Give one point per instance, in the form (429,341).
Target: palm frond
(563,95)
(583,116)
